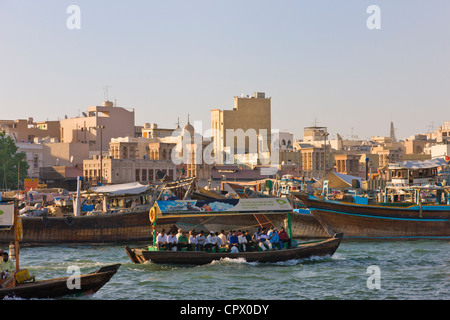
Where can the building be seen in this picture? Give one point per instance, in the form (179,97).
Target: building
(98,126)
(127,170)
(316,161)
(244,130)
(348,164)
(27,130)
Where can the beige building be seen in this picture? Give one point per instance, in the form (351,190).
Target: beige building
(316,162)
(27,130)
(248,113)
(98,126)
(127,170)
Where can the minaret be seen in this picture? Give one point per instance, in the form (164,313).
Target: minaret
(393,132)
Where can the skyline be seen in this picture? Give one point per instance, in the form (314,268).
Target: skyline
(317,61)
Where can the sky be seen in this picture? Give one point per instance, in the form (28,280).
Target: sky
(317,60)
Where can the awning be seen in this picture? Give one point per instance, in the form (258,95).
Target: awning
(426,164)
(124,188)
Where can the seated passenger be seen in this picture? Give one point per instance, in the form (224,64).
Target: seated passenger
(242,241)
(211,242)
(200,241)
(192,241)
(284,237)
(172,240)
(233,241)
(263,243)
(182,240)
(273,238)
(161,240)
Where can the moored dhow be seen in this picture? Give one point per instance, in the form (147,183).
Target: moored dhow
(420,217)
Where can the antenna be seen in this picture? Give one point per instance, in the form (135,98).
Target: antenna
(105,92)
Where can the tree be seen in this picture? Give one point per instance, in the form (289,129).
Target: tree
(13,165)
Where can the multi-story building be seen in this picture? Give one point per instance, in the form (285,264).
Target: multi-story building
(244,130)
(27,130)
(98,126)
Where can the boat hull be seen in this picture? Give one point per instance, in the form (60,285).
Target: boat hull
(104,228)
(318,248)
(55,288)
(380,221)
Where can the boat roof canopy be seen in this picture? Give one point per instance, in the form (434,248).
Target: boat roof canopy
(124,188)
(214,207)
(426,164)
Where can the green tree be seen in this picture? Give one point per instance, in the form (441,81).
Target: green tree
(13,164)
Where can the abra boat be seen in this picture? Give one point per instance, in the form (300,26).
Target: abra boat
(55,288)
(229,208)
(412,219)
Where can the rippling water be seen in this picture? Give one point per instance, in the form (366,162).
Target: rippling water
(408,270)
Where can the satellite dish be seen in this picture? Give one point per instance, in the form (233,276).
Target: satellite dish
(84,114)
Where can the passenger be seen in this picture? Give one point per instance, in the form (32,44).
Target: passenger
(264,244)
(223,238)
(172,240)
(250,242)
(218,240)
(200,241)
(211,242)
(233,241)
(256,235)
(161,240)
(192,241)
(182,240)
(284,237)
(273,238)
(7,270)
(242,242)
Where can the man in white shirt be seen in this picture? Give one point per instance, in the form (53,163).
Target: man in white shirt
(172,241)
(211,242)
(242,242)
(192,241)
(200,241)
(223,238)
(161,240)
(263,241)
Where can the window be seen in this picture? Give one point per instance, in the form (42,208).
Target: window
(138,178)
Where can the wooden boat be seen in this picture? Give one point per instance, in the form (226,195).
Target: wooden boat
(21,285)
(228,208)
(119,222)
(386,220)
(55,288)
(306,250)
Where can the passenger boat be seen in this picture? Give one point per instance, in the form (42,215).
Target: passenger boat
(22,285)
(55,288)
(267,207)
(413,218)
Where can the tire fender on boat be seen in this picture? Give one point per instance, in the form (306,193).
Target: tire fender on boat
(69,221)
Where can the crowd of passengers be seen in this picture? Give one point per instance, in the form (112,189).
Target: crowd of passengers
(234,241)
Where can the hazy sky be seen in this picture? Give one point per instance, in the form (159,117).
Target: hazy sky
(167,59)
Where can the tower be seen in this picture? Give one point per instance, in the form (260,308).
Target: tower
(392,135)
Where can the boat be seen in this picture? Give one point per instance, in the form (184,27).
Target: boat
(123,217)
(56,288)
(413,217)
(229,208)
(21,285)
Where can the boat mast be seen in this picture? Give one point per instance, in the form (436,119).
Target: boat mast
(16,235)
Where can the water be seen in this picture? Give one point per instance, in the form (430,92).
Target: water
(409,270)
